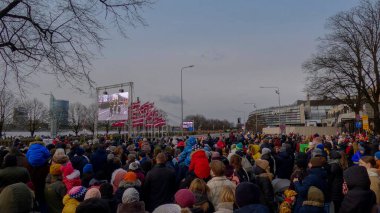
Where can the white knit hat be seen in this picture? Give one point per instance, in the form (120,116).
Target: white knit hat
(130,195)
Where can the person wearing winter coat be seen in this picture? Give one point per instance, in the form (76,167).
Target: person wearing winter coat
(199,163)
(159,186)
(37,154)
(369,163)
(266,154)
(11,173)
(73,198)
(317,176)
(290,198)
(263,179)
(200,189)
(16,198)
(284,164)
(131,202)
(247,199)
(93,205)
(254,151)
(217,182)
(315,201)
(335,179)
(99,159)
(106,192)
(79,160)
(71,177)
(240,173)
(60,157)
(55,190)
(359,197)
(227,199)
(184,158)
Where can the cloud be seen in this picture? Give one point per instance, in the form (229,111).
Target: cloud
(171,99)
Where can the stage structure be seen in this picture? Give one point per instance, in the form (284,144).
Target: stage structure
(114,106)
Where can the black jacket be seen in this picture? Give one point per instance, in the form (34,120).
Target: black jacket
(266,190)
(360,198)
(335,181)
(284,165)
(159,187)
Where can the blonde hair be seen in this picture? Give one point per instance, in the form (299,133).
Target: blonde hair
(227,194)
(199,185)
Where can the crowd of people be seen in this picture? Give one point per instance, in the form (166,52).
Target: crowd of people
(238,172)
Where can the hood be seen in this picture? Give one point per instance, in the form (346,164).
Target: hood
(67,200)
(357,177)
(191,142)
(198,154)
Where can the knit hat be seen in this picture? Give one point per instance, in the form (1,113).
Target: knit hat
(110,157)
(264,164)
(133,166)
(266,151)
(317,162)
(77,192)
(246,194)
(290,193)
(130,177)
(239,146)
(168,208)
(92,193)
(130,195)
(215,155)
(55,169)
(320,146)
(181,144)
(377,155)
(316,152)
(315,197)
(88,169)
(184,198)
(195,147)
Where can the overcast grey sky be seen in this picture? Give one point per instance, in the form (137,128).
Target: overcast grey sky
(236,47)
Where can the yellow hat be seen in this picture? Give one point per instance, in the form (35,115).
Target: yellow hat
(55,169)
(290,193)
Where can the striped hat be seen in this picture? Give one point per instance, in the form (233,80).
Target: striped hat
(77,192)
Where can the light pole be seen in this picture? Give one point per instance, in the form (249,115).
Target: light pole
(254,106)
(277,91)
(191,66)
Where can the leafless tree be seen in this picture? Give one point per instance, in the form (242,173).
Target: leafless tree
(36,114)
(59,37)
(7,104)
(346,66)
(91,116)
(77,117)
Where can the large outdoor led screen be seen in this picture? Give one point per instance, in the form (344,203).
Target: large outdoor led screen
(113,107)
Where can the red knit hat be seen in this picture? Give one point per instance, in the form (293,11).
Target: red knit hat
(181,144)
(184,198)
(130,177)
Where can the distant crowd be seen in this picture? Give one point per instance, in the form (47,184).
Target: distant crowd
(236,172)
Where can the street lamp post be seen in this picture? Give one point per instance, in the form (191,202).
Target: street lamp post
(182,98)
(277,91)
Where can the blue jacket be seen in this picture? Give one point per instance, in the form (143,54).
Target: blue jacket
(184,158)
(317,177)
(37,155)
(253,208)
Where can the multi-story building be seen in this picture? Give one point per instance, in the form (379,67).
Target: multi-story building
(301,113)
